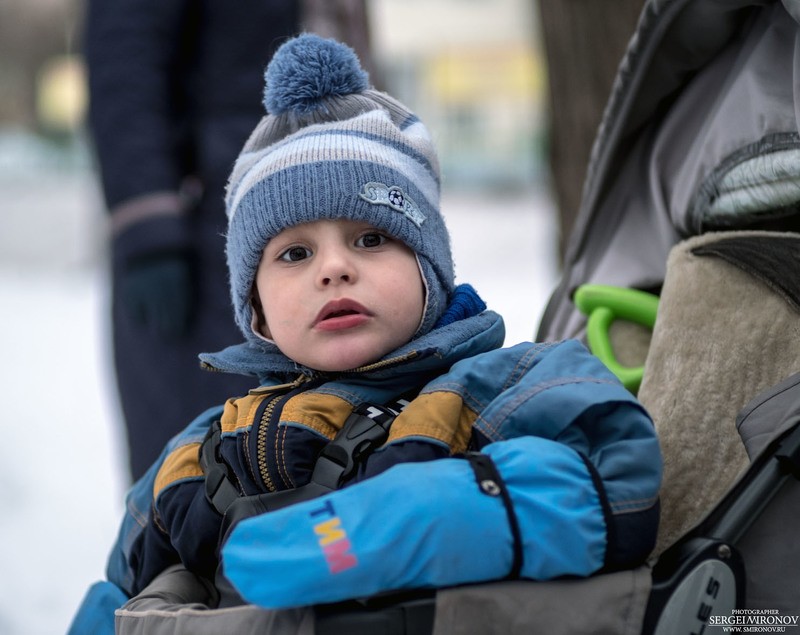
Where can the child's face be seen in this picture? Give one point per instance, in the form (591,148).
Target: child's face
(338,294)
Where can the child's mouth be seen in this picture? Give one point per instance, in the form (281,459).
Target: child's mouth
(341,314)
(336,314)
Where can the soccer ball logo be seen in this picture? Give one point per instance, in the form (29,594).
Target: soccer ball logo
(396,197)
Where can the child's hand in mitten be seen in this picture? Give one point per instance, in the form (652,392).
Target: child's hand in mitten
(433,524)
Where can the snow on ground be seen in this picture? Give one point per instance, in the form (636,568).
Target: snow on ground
(61,488)
(61,481)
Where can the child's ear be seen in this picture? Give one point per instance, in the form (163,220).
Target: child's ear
(258,310)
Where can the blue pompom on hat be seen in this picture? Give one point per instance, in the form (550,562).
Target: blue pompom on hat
(332,147)
(308,71)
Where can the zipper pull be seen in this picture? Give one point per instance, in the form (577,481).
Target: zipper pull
(278,388)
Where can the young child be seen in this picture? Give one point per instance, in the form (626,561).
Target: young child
(343,285)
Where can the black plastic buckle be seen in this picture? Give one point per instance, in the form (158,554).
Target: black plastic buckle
(365,429)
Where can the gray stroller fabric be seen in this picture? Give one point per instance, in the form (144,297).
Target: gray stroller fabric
(700,134)
(771,543)
(769,415)
(177,603)
(612,604)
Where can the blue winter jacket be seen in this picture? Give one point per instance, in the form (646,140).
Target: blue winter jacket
(555,392)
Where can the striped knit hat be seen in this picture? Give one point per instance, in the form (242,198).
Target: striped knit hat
(331,147)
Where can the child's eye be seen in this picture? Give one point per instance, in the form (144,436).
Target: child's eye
(295,254)
(372,239)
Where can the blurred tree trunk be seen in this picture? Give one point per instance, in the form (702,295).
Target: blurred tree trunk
(584,41)
(346,21)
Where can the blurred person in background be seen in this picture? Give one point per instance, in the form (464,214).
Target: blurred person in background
(174,92)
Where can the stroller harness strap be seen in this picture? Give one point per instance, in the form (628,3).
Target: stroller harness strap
(365,429)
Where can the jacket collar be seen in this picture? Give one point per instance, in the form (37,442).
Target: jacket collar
(440,347)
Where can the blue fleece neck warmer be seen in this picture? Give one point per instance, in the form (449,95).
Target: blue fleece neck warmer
(333,148)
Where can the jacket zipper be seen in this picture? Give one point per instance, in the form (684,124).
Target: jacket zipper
(281,394)
(381,365)
(261,443)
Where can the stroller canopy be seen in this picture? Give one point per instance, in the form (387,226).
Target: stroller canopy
(700,134)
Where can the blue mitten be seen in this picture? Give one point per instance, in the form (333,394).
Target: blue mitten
(526,506)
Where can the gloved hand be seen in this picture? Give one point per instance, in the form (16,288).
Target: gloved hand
(426,525)
(157,292)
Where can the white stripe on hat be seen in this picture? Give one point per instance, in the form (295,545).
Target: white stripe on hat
(337,142)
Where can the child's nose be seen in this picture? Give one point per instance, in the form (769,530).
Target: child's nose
(342,277)
(336,268)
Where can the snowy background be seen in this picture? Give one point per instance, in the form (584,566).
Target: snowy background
(61,481)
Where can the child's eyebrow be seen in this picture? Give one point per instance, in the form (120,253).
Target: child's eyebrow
(290,234)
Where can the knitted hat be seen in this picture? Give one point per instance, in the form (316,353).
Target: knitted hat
(331,147)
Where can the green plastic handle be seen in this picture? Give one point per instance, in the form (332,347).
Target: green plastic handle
(602,304)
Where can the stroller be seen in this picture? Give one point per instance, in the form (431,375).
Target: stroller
(681,273)
(690,205)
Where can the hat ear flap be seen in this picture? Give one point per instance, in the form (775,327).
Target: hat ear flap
(259,319)
(436,297)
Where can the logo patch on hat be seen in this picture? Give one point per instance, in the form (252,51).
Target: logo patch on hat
(393,197)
